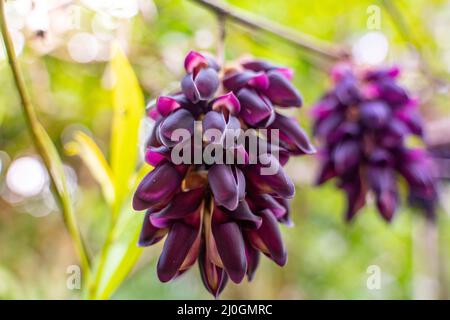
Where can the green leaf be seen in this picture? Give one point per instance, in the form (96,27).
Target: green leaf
(85,147)
(124,252)
(128,105)
(122,257)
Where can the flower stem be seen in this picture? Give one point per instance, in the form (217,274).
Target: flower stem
(304,41)
(45,148)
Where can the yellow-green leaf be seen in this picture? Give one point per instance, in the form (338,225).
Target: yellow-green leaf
(128,105)
(86,148)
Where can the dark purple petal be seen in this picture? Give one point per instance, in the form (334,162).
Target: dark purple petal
(277,182)
(326,172)
(227,184)
(256,110)
(264,201)
(180,119)
(207,82)
(214,278)
(149,233)
(252,260)
(347,91)
(238,80)
(374,114)
(243,215)
(176,247)
(157,188)
(382,182)
(231,248)
(268,238)
(281,92)
(182,204)
(292,134)
(392,92)
(189,88)
(356,195)
(346,156)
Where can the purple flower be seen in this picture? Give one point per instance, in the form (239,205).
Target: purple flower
(221,215)
(362,124)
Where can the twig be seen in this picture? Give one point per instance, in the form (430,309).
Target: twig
(221,39)
(42,147)
(301,40)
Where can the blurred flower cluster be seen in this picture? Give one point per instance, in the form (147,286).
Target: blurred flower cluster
(221,214)
(363,124)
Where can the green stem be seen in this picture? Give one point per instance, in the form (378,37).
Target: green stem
(303,41)
(39,135)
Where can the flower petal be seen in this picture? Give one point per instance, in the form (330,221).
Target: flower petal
(231,248)
(281,92)
(150,234)
(227,102)
(256,110)
(176,247)
(268,238)
(157,188)
(226,183)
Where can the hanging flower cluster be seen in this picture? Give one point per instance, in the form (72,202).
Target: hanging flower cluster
(363,124)
(221,214)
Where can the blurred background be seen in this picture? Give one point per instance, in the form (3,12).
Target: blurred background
(64,48)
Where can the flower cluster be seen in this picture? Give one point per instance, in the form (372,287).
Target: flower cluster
(363,124)
(222,215)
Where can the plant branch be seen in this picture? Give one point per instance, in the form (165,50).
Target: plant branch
(304,41)
(44,147)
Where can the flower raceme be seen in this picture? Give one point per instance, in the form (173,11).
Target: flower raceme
(221,214)
(363,123)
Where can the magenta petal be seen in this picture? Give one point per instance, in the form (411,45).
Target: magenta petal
(176,247)
(226,183)
(281,92)
(259,81)
(157,188)
(150,234)
(255,108)
(231,249)
(228,102)
(166,105)
(155,155)
(194,60)
(268,238)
